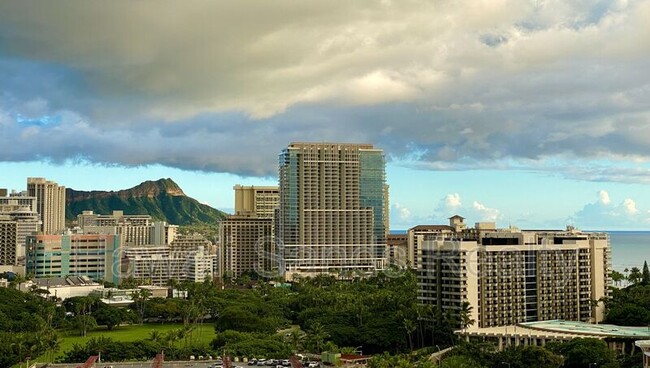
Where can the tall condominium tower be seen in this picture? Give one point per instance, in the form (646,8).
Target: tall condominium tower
(50,204)
(332,207)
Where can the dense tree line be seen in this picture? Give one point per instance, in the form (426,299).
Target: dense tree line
(630,306)
(376,315)
(576,353)
(115,351)
(27,325)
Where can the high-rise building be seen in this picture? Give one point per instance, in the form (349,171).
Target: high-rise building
(397,250)
(94,255)
(246,238)
(246,245)
(256,201)
(332,207)
(511,276)
(18,208)
(50,204)
(418,234)
(8,241)
(17,200)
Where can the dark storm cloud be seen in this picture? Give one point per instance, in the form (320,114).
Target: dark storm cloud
(223,86)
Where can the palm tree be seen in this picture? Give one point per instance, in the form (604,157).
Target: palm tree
(635,275)
(52,343)
(140,297)
(465,315)
(296,339)
(593,303)
(409,327)
(617,277)
(155,336)
(318,335)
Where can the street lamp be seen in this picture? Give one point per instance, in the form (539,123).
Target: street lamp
(358,350)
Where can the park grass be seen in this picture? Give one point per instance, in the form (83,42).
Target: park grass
(203,334)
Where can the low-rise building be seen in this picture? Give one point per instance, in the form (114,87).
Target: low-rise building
(93,255)
(62,288)
(618,338)
(644,345)
(183,260)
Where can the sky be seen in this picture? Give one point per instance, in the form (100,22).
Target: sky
(527,113)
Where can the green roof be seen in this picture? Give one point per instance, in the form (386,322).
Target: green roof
(584,328)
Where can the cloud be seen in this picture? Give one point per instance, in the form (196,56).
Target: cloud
(223,86)
(630,206)
(484,213)
(452,204)
(603,214)
(603,196)
(402,213)
(452,201)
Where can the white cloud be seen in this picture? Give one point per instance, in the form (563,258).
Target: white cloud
(484,213)
(602,214)
(603,196)
(452,201)
(630,206)
(452,204)
(402,212)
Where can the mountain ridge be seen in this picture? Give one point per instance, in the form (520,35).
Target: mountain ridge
(162,199)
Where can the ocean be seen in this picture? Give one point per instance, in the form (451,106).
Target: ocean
(629,248)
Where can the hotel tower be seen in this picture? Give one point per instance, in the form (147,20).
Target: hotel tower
(331,215)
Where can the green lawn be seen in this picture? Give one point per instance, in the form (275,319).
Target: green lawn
(204,334)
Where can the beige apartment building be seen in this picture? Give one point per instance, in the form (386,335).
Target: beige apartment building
(256,201)
(20,210)
(187,258)
(511,276)
(418,234)
(397,250)
(332,209)
(50,204)
(16,201)
(247,238)
(133,230)
(246,245)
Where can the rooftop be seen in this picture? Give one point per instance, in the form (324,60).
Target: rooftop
(583,328)
(561,330)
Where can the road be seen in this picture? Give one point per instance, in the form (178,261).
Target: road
(175,364)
